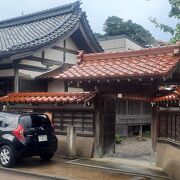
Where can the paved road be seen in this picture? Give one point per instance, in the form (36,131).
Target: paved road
(15,176)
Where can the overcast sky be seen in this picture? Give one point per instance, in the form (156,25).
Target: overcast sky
(98,10)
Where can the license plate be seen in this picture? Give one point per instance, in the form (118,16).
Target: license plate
(42,138)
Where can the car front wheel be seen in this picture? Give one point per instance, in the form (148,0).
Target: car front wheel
(7,157)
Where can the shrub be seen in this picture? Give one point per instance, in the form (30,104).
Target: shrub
(118,139)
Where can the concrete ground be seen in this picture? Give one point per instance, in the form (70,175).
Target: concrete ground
(62,168)
(17,176)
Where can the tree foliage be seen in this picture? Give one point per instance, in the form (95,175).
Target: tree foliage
(116,26)
(98,35)
(175,8)
(174,12)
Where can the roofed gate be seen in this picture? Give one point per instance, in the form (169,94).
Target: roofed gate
(137,74)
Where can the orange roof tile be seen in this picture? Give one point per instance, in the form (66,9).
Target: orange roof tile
(152,62)
(54,72)
(135,97)
(48,97)
(173,96)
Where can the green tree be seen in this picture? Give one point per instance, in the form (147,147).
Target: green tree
(98,35)
(116,26)
(175,13)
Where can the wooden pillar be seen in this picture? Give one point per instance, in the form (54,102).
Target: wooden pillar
(154,127)
(109,115)
(16,79)
(105,106)
(140,130)
(141,112)
(99,126)
(65,86)
(64,52)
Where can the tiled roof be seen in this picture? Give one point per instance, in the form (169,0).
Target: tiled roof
(172,96)
(54,72)
(36,30)
(48,97)
(152,62)
(135,97)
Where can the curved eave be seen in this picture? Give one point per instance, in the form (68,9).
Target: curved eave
(88,35)
(83,27)
(41,46)
(29,18)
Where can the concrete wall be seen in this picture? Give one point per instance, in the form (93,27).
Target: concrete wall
(118,44)
(113,44)
(130,45)
(84,146)
(168,158)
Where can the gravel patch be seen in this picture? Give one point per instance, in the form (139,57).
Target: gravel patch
(132,148)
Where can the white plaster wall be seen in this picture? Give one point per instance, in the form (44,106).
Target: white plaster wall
(37,54)
(130,45)
(59,43)
(56,86)
(30,74)
(8,72)
(71,58)
(53,55)
(33,74)
(71,45)
(49,54)
(58,55)
(32,63)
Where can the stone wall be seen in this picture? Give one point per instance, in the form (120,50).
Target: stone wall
(168,158)
(84,146)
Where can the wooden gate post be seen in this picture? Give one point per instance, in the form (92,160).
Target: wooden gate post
(99,126)
(109,115)
(104,124)
(154,127)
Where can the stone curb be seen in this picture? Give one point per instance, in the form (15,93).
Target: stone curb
(73,162)
(31,174)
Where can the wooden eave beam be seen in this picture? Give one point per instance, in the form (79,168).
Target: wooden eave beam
(84,34)
(45,61)
(32,68)
(23,66)
(65,50)
(6,66)
(21,55)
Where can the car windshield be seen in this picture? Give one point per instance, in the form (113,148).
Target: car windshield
(34,120)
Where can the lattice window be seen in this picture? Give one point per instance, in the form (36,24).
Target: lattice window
(82,121)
